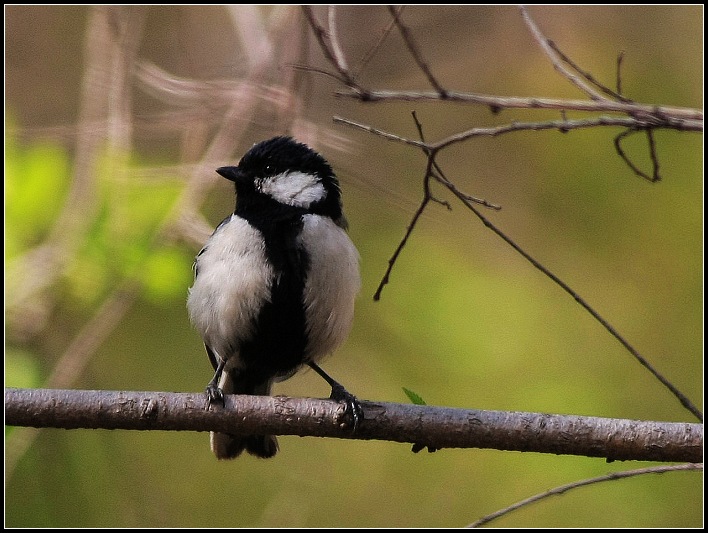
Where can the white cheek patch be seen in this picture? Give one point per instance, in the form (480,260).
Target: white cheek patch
(293,188)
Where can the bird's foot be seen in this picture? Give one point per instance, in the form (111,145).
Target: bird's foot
(353,412)
(214,395)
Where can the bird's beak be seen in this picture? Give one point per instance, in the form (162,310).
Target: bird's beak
(230,173)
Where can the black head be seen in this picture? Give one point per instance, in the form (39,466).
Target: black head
(282,174)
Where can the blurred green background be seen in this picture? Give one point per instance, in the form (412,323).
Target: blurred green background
(110,189)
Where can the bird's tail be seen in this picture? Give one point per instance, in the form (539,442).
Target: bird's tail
(227,446)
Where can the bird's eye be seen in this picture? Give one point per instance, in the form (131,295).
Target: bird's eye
(268,169)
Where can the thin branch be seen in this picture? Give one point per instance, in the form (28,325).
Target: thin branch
(439,178)
(415,52)
(381,133)
(557,62)
(437,427)
(392,261)
(316,70)
(563,126)
(323,40)
(652,153)
(331,52)
(334,40)
(427,198)
(450,185)
(617,95)
(589,77)
(687,119)
(680,118)
(640,116)
(375,48)
(620,58)
(682,398)
(582,483)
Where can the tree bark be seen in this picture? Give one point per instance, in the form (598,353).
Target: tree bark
(421,425)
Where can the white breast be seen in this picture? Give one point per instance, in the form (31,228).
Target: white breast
(332,284)
(232,282)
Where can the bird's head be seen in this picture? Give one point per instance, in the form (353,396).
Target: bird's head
(283,174)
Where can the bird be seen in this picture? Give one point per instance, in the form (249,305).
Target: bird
(275,284)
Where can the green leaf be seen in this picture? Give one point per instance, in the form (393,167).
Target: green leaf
(413,397)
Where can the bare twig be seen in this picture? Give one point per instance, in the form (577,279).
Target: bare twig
(561,125)
(557,62)
(375,48)
(652,153)
(431,149)
(589,77)
(437,427)
(683,399)
(620,58)
(427,198)
(463,195)
(686,119)
(680,118)
(392,261)
(415,52)
(584,482)
(640,116)
(381,133)
(307,68)
(331,52)
(617,95)
(337,51)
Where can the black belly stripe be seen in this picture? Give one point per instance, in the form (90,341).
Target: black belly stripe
(277,346)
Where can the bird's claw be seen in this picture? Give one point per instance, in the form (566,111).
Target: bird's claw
(352,409)
(214,395)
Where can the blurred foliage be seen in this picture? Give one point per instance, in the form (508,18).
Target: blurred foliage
(36,179)
(464,321)
(124,240)
(121,241)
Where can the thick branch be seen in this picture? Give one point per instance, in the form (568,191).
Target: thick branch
(435,427)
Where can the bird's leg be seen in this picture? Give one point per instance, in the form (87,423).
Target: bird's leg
(340,394)
(213,393)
